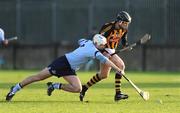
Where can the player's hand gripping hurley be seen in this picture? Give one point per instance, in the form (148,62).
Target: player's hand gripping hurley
(12,38)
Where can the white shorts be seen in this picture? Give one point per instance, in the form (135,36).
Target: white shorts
(110,51)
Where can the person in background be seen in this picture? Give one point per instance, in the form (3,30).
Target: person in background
(3,41)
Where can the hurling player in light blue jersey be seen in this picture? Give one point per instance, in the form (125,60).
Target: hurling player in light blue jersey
(2,39)
(66,67)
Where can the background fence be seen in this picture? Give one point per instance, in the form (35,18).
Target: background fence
(49,28)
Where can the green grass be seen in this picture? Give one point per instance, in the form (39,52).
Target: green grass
(162,86)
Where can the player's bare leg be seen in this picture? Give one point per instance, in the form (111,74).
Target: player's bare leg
(103,74)
(74,85)
(44,74)
(118,76)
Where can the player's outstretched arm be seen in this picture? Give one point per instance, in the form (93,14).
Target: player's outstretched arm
(106,61)
(111,64)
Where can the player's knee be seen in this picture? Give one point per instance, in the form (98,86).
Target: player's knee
(121,66)
(77,89)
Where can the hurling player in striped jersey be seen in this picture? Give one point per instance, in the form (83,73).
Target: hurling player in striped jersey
(115,32)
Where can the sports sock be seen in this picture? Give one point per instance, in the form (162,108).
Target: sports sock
(57,85)
(92,81)
(16,88)
(118,77)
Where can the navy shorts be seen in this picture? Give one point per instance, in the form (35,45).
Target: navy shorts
(61,67)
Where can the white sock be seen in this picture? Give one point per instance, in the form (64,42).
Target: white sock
(57,85)
(16,88)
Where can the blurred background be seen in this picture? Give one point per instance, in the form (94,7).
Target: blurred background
(49,28)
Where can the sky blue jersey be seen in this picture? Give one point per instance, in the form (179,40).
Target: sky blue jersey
(85,52)
(1,35)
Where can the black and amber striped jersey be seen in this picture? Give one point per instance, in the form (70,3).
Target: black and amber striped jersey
(114,36)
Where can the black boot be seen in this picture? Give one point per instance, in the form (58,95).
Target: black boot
(82,93)
(120,96)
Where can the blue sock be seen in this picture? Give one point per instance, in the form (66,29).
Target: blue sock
(16,88)
(57,85)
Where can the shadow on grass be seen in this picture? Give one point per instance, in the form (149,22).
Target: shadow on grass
(102,85)
(61,101)
(56,101)
(84,102)
(39,101)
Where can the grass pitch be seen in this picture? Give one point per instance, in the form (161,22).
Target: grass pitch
(164,91)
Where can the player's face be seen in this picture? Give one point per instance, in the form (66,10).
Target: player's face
(101,47)
(122,24)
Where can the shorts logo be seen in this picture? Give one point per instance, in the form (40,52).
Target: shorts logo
(53,71)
